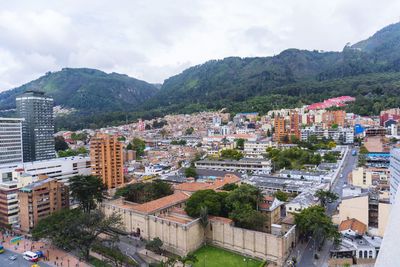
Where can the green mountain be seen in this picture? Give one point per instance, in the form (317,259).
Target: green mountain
(368,70)
(294,76)
(86,90)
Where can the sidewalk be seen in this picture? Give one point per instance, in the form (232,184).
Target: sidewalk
(54,256)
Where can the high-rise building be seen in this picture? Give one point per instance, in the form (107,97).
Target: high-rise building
(38,126)
(106,154)
(295,124)
(40,199)
(280,129)
(394,173)
(10,141)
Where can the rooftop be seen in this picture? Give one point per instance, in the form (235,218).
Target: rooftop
(354,225)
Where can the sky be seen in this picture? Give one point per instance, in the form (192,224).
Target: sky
(155,39)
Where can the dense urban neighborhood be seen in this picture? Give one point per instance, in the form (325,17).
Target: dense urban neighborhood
(309,186)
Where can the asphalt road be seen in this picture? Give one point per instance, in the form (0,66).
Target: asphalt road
(19,262)
(307,259)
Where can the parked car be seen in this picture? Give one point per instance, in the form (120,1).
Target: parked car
(13,257)
(30,256)
(40,254)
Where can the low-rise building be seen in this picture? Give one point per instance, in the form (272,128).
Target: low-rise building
(256,149)
(244,165)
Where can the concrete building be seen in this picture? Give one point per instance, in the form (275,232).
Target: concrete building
(59,168)
(40,199)
(244,165)
(280,129)
(38,125)
(394,172)
(106,154)
(255,149)
(9,204)
(10,141)
(368,177)
(340,135)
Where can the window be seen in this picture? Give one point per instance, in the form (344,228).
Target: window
(360,254)
(365,254)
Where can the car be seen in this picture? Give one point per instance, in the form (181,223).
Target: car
(40,254)
(30,256)
(13,257)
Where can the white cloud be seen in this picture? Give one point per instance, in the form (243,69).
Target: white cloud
(153,40)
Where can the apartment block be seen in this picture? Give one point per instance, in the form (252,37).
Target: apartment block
(106,154)
(40,199)
(10,141)
(280,129)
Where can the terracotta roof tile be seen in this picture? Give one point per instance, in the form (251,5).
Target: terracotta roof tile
(161,203)
(353,224)
(220,219)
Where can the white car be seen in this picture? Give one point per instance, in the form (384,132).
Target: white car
(30,256)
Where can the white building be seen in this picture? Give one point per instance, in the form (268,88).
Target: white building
(394,173)
(255,149)
(10,141)
(243,165)
(340,135)
(60,168)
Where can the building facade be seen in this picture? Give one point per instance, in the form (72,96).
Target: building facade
(107,162)
(40,199)
(38,126)
(394,173)
(10,141)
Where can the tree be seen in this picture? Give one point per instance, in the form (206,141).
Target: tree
(245,216)
(138,145)
(314,222)
(231,154)
(240,143)
(229,187)
(208,199)
(189,131)
(74,229)
(188,258)
(60,144)
(87,190)
(155,245)
(281,196)
(325,196)
(190,172)
(144,192)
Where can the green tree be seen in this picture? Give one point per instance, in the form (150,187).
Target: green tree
(314,222)
(75,230)
(155,245)
(281,196)
(208,199)
(240,143)
(190,172)
(189,131)
(188,258)
(144,192)
(87,190)
(231,154)
(229,187)
(138,145)
(325,196)
(60,144)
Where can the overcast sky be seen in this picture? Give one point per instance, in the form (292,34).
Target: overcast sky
(152,40)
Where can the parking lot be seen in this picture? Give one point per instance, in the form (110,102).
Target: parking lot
(19,262)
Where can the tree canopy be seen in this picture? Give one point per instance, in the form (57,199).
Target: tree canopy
(87,190)
(144,192)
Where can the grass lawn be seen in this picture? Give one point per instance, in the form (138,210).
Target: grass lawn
(209,256)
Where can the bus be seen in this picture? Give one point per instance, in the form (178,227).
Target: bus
(1,249)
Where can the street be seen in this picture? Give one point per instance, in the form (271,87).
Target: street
(307,258)
(19,262)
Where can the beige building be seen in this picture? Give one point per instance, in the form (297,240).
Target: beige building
(40,199)
(166,219)
(365,177)
(106,154)
(372,212)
